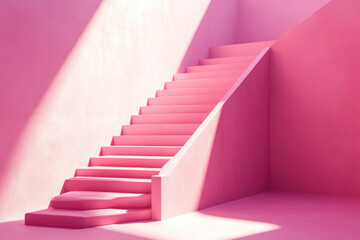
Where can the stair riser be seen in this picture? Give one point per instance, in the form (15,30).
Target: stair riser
(168,119)
(107,186)
(143,201)
(34,219)
(185,129)
(204,75)
(88,172)
(139,151)
(111,162)
(150,140)
(191,91)
(176,109)
(206,83)
(188,100)
(230,60)
(217,67)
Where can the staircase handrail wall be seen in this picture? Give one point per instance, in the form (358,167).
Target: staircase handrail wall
(168,187)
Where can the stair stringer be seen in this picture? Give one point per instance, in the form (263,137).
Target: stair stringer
(210,168)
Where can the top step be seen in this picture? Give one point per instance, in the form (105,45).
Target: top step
(240,59)
(245,49)
(217,67)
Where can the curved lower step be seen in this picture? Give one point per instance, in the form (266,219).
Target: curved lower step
(87,200)
(105,184)
(85,218)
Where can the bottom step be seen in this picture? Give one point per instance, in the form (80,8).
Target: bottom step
(83,200)
(84,218)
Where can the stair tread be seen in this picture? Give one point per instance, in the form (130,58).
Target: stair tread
(171,114)
(194,88)
(206,78)
(190,96)
(85,218)
(220,71)
(167,124)
(230,58)
(178,106)
(109,179)
(93,195)
(219,64)
(85,213)
(132,156)
(122,168)
(164,109)
(217,67)
(139,146)
(150,136)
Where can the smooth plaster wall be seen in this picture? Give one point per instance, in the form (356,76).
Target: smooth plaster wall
(73,71)
(264,20)
(315,110)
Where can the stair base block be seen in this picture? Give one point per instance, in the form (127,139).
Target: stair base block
(85,218)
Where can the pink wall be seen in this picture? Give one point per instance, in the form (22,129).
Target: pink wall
(315,118)
(228,157)
(73,71)
(263,20)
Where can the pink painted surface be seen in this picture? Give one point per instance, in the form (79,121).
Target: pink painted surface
(267,216)
(236,50)
(228,156)
(315,120)
(72,72)
(264,20)
(86,199)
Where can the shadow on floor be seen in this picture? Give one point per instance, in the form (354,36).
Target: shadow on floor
(295,216)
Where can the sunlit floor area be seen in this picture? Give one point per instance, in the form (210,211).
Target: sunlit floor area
(270,215)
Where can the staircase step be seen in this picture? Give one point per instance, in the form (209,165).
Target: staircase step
(83,200)
(102,184)
(191,91)
(177,109)
(140,150)
(129,161)
(205,75)
(240,59)
(217,67)
(185,100)
(117,172)
(243,49)
(169,118)
(150,140)
(84,218)
(159,129)
(198,83)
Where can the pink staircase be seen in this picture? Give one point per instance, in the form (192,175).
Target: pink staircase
(116,186)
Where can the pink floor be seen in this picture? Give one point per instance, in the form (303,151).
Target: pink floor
(271,215)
